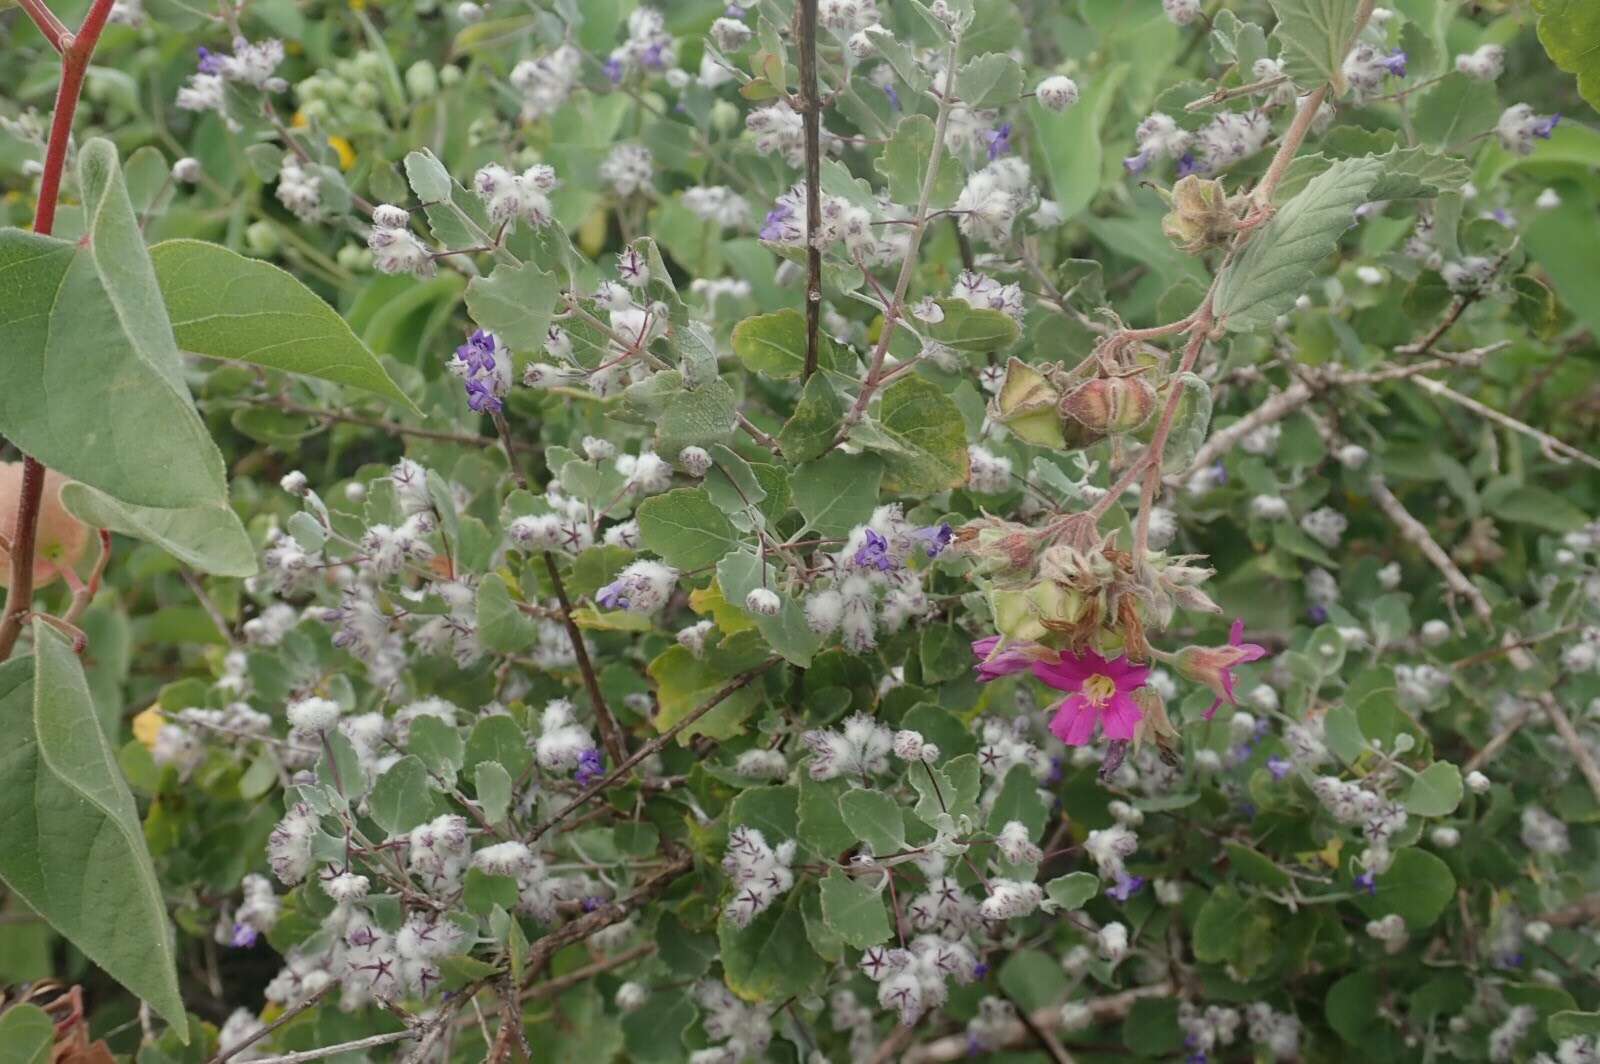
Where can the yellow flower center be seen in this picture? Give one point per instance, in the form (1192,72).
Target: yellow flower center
(1098,689)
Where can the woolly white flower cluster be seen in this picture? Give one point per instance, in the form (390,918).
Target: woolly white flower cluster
(943,908)
(438,852)
(547,82)
(299,189)
(1204,1030)
(987,473)
(761,765)
(395,248)
(744,1030)
(1486,63)
(1010,898)
(867,584)
(985,293)
(628,169)
(510,197)
(1325,525)
(643,587)
(760,873)
(1278,1032)
(562,740)
(1543,833)
(913,980)
(538,891)
(993,197)
(856,751)
(290,842)
(1108,848)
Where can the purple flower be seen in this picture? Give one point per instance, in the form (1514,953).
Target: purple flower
(733,11)
(652,58)
(894,97)
(999,141)
(614,70)
(1279,767)
(874,554)
(477,368)
(592,902)
(478,352)
(1395,63)
(244,936)
(934,538)
(481,397)
(210,62)
(1219,473)
(980,970)
(1318,614)
(1508,960)
(614,596)
(774,227)
(1368,882)
(1188,164)
(1137,164)
(591,766)
(1125,887)
(1546,126)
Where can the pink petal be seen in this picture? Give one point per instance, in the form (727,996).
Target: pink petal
(992,666)
(1074,721)
(1121,716)
(1236,633)
(1126,674)
(1213,710)
(1068,671)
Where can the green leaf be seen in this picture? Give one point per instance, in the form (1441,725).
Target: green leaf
(1019,800)
(26,1035)
(1417,885)
(786,631)
(209,539)
(684,683)
(1456,110)
(969,328)
(1570,33)
(71,845)
(493,785)
(990,80)
(1073,890)
(1539,507)
(875,818)
(811,429)
(403,797)
(822,830)
(1282,258)
(1313,37)
(91,384)
(1032,978)
(1436,791)
(775,344)
(1234,41)
(772,958)
(686,529)
(1253,866)
(921,438)
(774,811)
(224,305)
(837,492)
(1569,1024)
(502,626)
(905,160)
(854,911)
(1071,140)
(438,743)
(515,303)
(700,417)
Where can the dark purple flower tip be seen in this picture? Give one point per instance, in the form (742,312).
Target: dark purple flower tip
(1318,614)
(210,62)
(773,228)
(244,936)
(894,97)
(874,553)
(613,596)
(1368,882)
(1279,767)
(1546,126)
(1058,769)
(980,970)
(613,69)
(653,57)
(593,902)
(935,538)
(999,141)
(1125,887)
(591,766)
(1395,64)
(1220,473)
(1247,810)
(1137,164)
(1508,960)
(1188,164)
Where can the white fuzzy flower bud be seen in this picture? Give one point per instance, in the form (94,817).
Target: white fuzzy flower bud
(1434,632)
(313,715)
(1444,837)
(763,601)
(1477,782)
(186,170)
(295,483)
(1015,844)
(388,216)
(1113,942)
(695,461)
(1057,93)
(630,996)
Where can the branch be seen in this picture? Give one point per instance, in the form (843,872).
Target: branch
(552,987)
(392,428)
(19,593)
(371,1042)
(55,31)
(1417,534)
(1570,736)
(1554,448)
(287,1015)
(543,949)
(649,748)
(805,15)
(1104,1010)
(610,734)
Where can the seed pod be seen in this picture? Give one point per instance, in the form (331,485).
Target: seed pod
(1107,405)
(1200,217)
(1027,404)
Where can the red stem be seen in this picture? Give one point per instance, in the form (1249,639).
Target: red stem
(76,50)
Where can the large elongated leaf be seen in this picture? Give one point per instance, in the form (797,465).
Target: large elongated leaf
(224,305)
(1283,256)
(208,538)
(1570,33)
(1314,36)
(90,384)
(70,842)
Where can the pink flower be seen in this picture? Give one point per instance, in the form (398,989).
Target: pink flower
(1213,666)
(1101,691)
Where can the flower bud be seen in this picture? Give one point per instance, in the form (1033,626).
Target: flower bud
(1200,218)
(422,81)
(261,238)
(763,601)
(1107,405)
(695,461)
(186,170)
(388,216)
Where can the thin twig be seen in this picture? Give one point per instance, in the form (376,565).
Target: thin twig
(610,734)
(392,428)
(552,987)
(1103,1010)
(288,1014)
(805,15)
(1418,535)
(651,747)
(1569,735)
(370,1042)
(1555,448)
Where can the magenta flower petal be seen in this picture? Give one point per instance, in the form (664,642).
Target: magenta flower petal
(992,665)
(1074,721)
(1121,716)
